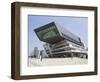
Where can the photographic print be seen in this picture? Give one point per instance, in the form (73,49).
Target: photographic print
(57,40)
(53,40)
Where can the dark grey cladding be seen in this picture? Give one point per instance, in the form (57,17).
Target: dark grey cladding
(53,33)
(49,33)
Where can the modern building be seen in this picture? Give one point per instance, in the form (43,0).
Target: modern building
(36,52)
(60,42)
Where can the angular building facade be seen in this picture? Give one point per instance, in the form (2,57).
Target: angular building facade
(60,42)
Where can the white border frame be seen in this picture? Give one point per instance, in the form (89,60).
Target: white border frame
(25,70)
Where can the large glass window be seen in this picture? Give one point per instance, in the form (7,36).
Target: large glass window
(48,33)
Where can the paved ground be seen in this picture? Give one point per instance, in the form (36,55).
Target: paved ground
(56,61)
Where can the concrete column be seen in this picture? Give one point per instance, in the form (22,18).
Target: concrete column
(72,54)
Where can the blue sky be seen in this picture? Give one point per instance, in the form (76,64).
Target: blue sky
(76,25)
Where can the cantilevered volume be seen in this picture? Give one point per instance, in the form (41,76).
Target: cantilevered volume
(60,42)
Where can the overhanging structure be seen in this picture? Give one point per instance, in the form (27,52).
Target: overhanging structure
(59,41)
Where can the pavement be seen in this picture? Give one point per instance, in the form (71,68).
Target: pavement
(56,61)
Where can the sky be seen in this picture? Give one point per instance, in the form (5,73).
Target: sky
(76,25)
